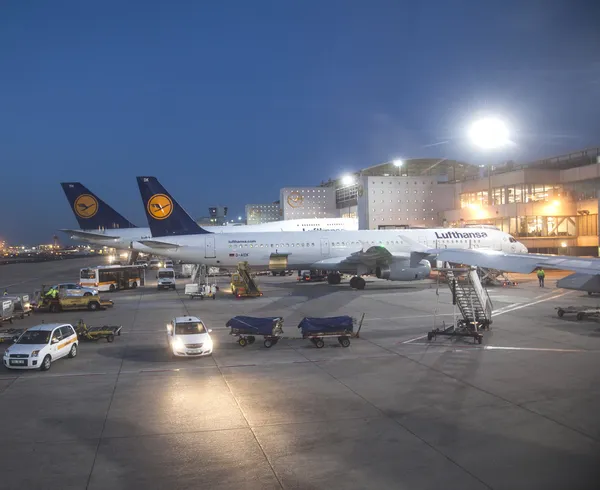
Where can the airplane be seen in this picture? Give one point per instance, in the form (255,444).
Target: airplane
(396,255)
(100,224)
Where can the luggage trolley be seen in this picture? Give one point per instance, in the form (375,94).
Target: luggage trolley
(107,332)
(247,328)
(342,327)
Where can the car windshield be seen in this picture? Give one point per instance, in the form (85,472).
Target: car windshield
(34,337)
(512,240)
(88,274)
(189,328)
(165,274)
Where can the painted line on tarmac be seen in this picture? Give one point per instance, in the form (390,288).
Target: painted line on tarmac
(367,319)
(493,347)
(525,305)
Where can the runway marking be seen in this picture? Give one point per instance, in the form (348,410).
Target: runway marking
(406,317)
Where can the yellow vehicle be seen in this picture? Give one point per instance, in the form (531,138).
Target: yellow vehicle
(242,283)
(66,302)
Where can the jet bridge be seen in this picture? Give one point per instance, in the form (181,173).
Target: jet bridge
(471,301)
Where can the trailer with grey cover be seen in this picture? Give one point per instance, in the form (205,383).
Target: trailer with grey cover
(580,312)
(8,309)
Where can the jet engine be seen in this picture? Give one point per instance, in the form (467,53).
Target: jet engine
(400,270)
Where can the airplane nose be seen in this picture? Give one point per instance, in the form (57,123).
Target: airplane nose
(524,249)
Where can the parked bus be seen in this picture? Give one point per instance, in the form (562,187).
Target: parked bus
(112,277)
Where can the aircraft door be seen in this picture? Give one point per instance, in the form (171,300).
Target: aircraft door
(209,251)
(325,247)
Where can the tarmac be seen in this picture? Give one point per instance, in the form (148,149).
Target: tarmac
(392,411)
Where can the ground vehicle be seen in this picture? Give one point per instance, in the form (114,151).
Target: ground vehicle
(41,345)
(242,283)
(247,328)
(67,301)
(187,336)
(166,279)
(155,264)
(113,277)
(87,332)
(201,291)
(141,263)
(312,276)
(75,289)
(316,329)
(168,264)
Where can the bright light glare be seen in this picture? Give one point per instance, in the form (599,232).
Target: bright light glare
(489,133)
(398,163)
(563,244)
(555,203)
(347,180)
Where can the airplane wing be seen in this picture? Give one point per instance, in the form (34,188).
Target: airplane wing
(158,244)
(523,263)
(90,235)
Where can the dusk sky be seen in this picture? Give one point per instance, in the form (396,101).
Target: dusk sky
(226,102)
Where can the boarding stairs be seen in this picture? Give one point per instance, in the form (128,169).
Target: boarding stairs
(472,301)
(199,274)
(246,276)
(471,298)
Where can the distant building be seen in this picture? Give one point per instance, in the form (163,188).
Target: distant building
(308,202)
(257,214)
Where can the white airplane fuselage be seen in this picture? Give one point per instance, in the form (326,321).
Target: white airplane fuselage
(325,249)
(127,238)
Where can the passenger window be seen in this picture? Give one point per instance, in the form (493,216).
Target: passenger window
(57,336)
(67,331)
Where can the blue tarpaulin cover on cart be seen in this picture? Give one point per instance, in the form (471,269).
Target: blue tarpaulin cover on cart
(250,325)
(326,325)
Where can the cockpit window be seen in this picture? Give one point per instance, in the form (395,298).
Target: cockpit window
(512,240)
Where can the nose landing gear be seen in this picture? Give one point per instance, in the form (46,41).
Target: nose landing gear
(357,282)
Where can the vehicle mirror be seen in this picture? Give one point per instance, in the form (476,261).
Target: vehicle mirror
(209,330)
(54,341)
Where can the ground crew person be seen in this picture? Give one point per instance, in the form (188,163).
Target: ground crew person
(5,292)
(541,275)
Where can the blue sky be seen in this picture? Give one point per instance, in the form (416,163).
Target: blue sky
(226,102)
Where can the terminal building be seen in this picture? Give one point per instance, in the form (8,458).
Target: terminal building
(257,214)
(550,205)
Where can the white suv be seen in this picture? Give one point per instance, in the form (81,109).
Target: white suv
(165,279)
(38,347)
(187,336)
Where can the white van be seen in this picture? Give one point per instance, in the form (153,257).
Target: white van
(165,279)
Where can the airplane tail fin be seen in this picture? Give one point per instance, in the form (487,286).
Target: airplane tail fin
(92,213)
(165,216)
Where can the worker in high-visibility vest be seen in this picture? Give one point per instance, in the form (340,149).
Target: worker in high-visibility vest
(541,275)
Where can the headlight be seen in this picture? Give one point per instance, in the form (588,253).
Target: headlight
(35,353)
(178,344)
(209,343)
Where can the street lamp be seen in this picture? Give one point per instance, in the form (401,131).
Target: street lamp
(347,180)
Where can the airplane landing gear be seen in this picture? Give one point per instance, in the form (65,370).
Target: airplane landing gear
(334,278)
(357,282)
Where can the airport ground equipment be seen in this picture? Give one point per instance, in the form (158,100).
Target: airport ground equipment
(473,303)
(10,334)
(247,328)
(201,291)
(580,312)
(66,302)
(243,284)
(495,277)
(342,327)
(8,309)
(87,332)
(22,305)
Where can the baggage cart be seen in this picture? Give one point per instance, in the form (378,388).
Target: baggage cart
(342,327)
(7,310)
(201,291)
(10,334)
(247,328)
(580,312)
(87,332)
(22,305)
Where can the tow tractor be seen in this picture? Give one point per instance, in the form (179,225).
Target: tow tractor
(65,302)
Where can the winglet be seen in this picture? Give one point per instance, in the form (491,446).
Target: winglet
(92,213)
(165,216)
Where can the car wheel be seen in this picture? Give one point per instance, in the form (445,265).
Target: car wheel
(112,288)
(54,308)
(87,294)
(110,338)
(73,351)
(93,306)
(134,285)
(46,363)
